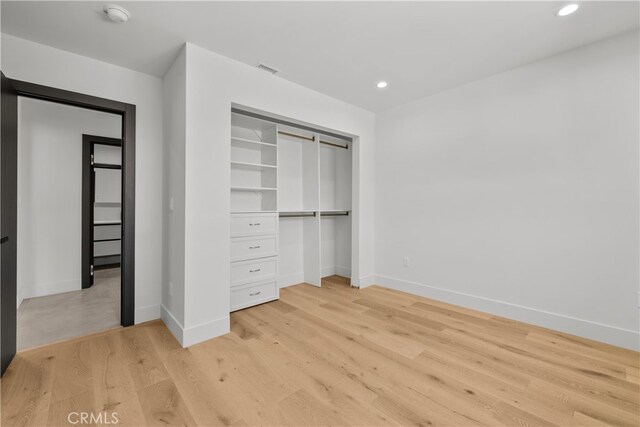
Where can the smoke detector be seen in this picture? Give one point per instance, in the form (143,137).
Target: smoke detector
(116,13)
(267,68)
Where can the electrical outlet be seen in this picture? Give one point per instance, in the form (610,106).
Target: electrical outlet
(170,289)
(171,204)
(406,261)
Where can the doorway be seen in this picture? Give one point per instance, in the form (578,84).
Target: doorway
(101,206)
(11,90)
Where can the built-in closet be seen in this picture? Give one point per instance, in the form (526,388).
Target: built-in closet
(291,191)
(107,183)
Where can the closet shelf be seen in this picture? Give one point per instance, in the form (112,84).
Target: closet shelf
(107,240)
(253,189)
(106,204)
(254,166)
(107,223)
(106,166)
(244,141)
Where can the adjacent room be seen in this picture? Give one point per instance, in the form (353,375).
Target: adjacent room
(375,213)
(58,296)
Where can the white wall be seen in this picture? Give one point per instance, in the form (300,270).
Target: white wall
(25,60)
(213,83)
(50,193)
(518,194)
(173,243)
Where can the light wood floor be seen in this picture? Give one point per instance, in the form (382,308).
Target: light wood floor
(52,318)
(332,356)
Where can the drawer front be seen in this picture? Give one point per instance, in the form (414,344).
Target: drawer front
(252,247)
(248,295)
(253,271)
(251,224)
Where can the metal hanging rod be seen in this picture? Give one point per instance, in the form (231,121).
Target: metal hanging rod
(271,119)
(306,138)
(296,214)
(335,213)
(346,147)
(312,139)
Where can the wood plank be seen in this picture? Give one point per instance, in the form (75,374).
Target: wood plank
(162,405)
(114,390)
(332,356)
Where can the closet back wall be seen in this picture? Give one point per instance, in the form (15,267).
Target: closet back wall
(518,194)
(50,193)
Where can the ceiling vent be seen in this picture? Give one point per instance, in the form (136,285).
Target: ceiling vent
(267,68)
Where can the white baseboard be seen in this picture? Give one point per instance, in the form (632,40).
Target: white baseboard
(343,271)
(43,289)
(295,279)
(194,334)
(584,328)
(172,323)
(335,270)
(147,313)
(205,331)
(328,271)
(290,280)
(366,281)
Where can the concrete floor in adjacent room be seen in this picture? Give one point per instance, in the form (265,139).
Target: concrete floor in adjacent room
(52,318)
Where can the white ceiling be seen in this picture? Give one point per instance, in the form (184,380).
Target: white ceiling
(338,48)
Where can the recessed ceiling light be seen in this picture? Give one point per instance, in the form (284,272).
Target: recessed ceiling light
(568,9)
(116,13)
(382,85)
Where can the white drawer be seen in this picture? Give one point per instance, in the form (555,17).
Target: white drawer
(253,224)
(252,247)
(253,270)
(256,293)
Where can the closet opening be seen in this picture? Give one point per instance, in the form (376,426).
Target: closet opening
(291,209)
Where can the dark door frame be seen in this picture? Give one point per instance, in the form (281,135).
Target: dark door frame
(88,198)
(128,114)
(8,221)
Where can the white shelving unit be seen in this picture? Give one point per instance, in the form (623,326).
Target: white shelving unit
(254,167)
(254,219)
(290,208)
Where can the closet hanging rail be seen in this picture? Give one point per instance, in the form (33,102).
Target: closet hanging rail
(306,138)
(334,213)
(346,147)
(312,139)
(296,214)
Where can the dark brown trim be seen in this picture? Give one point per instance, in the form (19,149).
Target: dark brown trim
(61,96)
(128,113)
(8,220)
(103,140)
(87,209)
(128,268)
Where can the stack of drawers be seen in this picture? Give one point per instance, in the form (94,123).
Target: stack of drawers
(254,259)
